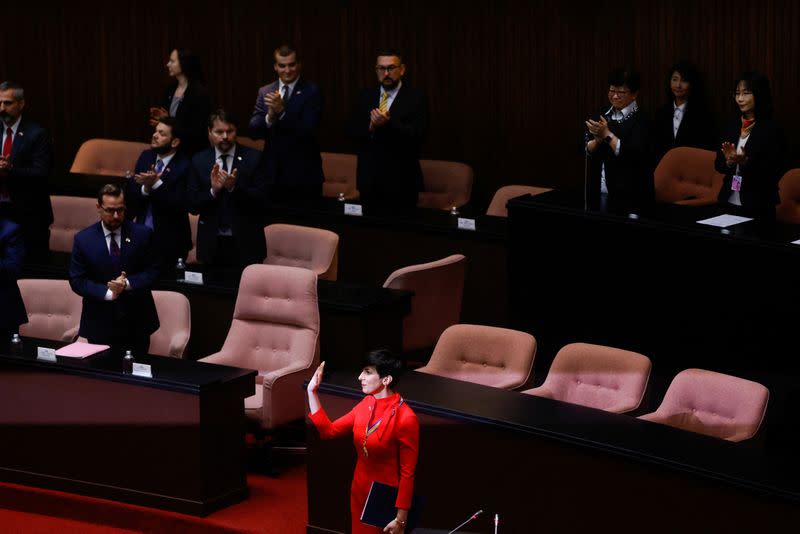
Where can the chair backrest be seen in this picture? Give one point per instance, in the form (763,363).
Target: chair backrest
(606,378)
(714,404)
(446,184)
(191,257)
(788,210)
(175,317)
(686,175)
(107,157)
(497,207)
(54,310)
(496,357)
(340,175)
(70,216)
(438,287)
(303,246)
(249,142)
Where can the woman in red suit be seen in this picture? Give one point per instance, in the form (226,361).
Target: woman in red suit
(385,433)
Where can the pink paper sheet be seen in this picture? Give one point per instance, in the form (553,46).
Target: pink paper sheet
(80,350)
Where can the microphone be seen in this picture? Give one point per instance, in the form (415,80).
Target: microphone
(476,514)
(496,522)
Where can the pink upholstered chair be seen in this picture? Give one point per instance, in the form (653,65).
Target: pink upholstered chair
(487,355)
(446,184)
(438,287)
(175,317)
(303,246)
(600,377)
(275,330)
(788,210)
(107,157)
(54,310)
(714,404)
(497,207)
(249,142)
(686,175)
(340,175)
(191,257)
(70,216)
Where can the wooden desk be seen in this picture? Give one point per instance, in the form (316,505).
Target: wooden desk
(547,466)
(175,441)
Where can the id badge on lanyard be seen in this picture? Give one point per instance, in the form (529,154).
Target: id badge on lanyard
(736,183)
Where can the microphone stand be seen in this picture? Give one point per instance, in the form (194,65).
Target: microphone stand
(476,514)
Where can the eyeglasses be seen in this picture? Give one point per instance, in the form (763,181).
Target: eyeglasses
(388,69)
(112,211)
(621,92)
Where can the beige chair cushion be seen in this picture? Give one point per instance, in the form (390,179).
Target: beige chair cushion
(70,216)
(54,310)
(446,184)
(497,207)
(340,175)
(175,317)
(686,175)
(107,157)
(303,246)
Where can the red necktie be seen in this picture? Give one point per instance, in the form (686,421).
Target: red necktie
(8,142)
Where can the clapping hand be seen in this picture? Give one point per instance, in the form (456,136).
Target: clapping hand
(118,285)
(316,379)
(598,129)
(230,179)
(378,118)
(157,113)
(147,179)
(732,157)
(275,103)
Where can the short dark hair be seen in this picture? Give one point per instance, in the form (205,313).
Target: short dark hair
(387,364)
(758,84)
(190,65)
(389,52)
(19,91)
(627,76)
(174,125)
(220,115)
(284,50)
(110,190)
(691,74)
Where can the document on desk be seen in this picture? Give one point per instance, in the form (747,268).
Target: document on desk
(725,220)
(80,350)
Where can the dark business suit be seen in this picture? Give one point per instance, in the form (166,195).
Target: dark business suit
(696,130)
(291,151)
(243,207)
(131,318)
(388,172)
(765,150)
(12,255)
(172,238)
(193,113)
(32,162)
(629,175)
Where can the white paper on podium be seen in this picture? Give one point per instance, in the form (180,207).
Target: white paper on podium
(725,220)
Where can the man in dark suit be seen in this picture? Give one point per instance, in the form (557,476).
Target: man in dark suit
(156,197)
(12,255)
(25,164)
(228,190)
(287,115)
(113,268)
(388,123)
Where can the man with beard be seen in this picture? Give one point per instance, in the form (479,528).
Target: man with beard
(25,164)
(156,197)
(228,190)
(388,123)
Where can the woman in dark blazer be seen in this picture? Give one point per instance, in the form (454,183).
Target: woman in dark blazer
(684,120)
(752,152)
(187,100)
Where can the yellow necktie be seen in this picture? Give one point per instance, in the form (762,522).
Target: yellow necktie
(383,107)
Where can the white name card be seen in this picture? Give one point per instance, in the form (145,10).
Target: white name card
(466,224)
(46,355)
(191,277)
(142,369)
(353,209)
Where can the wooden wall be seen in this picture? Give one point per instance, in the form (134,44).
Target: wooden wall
(509,82)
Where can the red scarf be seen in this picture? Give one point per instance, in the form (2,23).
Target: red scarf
(747,127)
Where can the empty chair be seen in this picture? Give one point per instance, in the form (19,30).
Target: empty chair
(714,404)
(340,175)
(600,377)
(446,184)
(788,210)
(191,257)
(303,246)
(54,310)
(487,355)
(175,317)
(438,287)
(275,330)
(249,142)
(70,216)
(686,175)
(107,157)
(497,207)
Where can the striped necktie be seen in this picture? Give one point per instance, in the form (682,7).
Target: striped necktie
(383,107)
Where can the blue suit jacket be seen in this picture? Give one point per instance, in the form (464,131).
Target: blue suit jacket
(245,205)
(291,150)
(172,237)
(133,313)
(12,255)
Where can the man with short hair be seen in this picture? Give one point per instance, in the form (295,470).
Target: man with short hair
(228,190)
(388,123)
(287,114)
(113,268)
(157,197)
(26,159)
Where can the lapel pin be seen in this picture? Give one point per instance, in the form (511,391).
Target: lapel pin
(239,158)
(127,239)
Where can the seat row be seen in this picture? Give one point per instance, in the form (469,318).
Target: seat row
(601,377)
